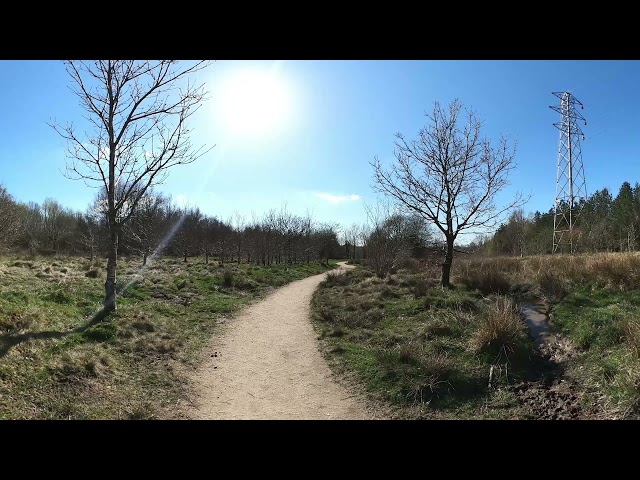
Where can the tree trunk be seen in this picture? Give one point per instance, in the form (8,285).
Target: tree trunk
(446,266)
(206,257)
(185,255)
(112,260)
(144,257)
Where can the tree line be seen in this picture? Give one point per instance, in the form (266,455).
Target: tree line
(157,225)
(605,224)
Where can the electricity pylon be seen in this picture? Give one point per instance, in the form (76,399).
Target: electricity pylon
(571,188)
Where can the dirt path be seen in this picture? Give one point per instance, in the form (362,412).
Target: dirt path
(267,365)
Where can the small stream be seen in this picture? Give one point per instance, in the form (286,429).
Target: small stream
(536,316)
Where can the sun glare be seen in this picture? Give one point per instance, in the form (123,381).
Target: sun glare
(254,102)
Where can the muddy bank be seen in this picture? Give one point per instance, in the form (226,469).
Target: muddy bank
(548,395)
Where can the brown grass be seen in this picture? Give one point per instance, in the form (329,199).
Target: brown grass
(335,278)
(631,329)
(501,331)
(551,285)
(436,369)
(487,275)
(554,274)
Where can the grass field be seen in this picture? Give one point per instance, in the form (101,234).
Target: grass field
(57,361)
(429,352)
(595,306)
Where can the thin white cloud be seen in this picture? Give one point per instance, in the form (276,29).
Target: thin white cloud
(336,199)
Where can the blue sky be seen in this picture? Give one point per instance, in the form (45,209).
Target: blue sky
(322,122)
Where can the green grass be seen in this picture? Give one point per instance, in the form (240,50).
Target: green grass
(427,351)
(603,325)
(334,262)
(413,344)
(595,302)
(56,362)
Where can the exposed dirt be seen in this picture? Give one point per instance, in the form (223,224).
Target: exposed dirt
(266,365)
(549,395)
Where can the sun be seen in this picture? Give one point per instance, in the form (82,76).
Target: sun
(254,102)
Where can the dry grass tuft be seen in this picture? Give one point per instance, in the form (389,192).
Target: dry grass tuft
(335,278)
(436,369)
(487,276)
(551,285)
(501,331)
(631,329)
(227,277)
(92,274)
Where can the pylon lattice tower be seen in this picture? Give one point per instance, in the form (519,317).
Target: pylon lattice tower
(571,188)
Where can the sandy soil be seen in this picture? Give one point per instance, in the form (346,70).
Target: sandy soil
(266,365)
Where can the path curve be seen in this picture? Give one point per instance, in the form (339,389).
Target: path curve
(267,365)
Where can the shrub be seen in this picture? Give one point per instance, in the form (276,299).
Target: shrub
(335,278)
(227,277)
(410,264)
(386,292)
(421,288)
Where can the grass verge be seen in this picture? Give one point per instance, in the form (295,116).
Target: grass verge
(595,306)
(58,362)
(424,350)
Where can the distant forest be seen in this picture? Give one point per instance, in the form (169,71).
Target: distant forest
(605,224)
(159,225)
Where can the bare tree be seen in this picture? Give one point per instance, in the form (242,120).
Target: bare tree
(351,240)
(364,233)
(10,222)
(33,231)
(239,225)
(138,112)
(449,176)
(55,222)
(188,237)
(148,223)
(88,226)
(389,235)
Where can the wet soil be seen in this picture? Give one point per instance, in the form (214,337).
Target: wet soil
(548,394)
